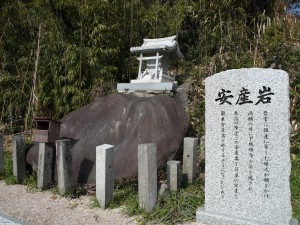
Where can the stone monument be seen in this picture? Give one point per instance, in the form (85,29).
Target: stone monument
(247,149)
(154,59)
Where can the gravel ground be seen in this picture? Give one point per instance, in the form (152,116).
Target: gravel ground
(42,208)
(46,208)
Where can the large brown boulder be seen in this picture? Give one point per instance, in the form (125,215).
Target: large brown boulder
(123,121)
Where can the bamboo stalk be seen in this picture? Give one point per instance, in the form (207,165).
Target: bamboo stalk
(33,98)
(38,50)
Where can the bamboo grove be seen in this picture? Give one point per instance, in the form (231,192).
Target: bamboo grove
(57,55)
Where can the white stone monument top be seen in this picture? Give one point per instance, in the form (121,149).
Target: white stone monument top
(247,143)
(156,53)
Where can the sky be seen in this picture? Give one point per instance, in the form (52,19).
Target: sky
(294,8)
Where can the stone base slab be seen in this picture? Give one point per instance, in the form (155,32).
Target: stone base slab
(212,218)
(132,87)
(149,79)
(4,219)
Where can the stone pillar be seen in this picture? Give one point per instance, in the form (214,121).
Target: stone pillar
(147,176)
(1,153)
(105,176)
(189,159)
(173,175)
(19,164)
(202,148)
(64,165)
(44,178)
(156,66)
(140,67)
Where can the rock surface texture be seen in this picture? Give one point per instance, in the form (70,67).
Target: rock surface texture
(123,121)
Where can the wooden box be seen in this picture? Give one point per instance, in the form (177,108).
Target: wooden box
(47,130)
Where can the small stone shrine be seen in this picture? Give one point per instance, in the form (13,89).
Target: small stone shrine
(247,174)
(154,59)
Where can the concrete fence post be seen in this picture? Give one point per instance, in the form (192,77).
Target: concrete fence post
(1,153)
(173,175)
(147,176)
(64,165)
(45,165)
(202,148)
(19,164)
(189,159)
(105,176)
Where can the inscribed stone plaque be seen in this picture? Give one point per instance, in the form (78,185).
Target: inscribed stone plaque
(247,148)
